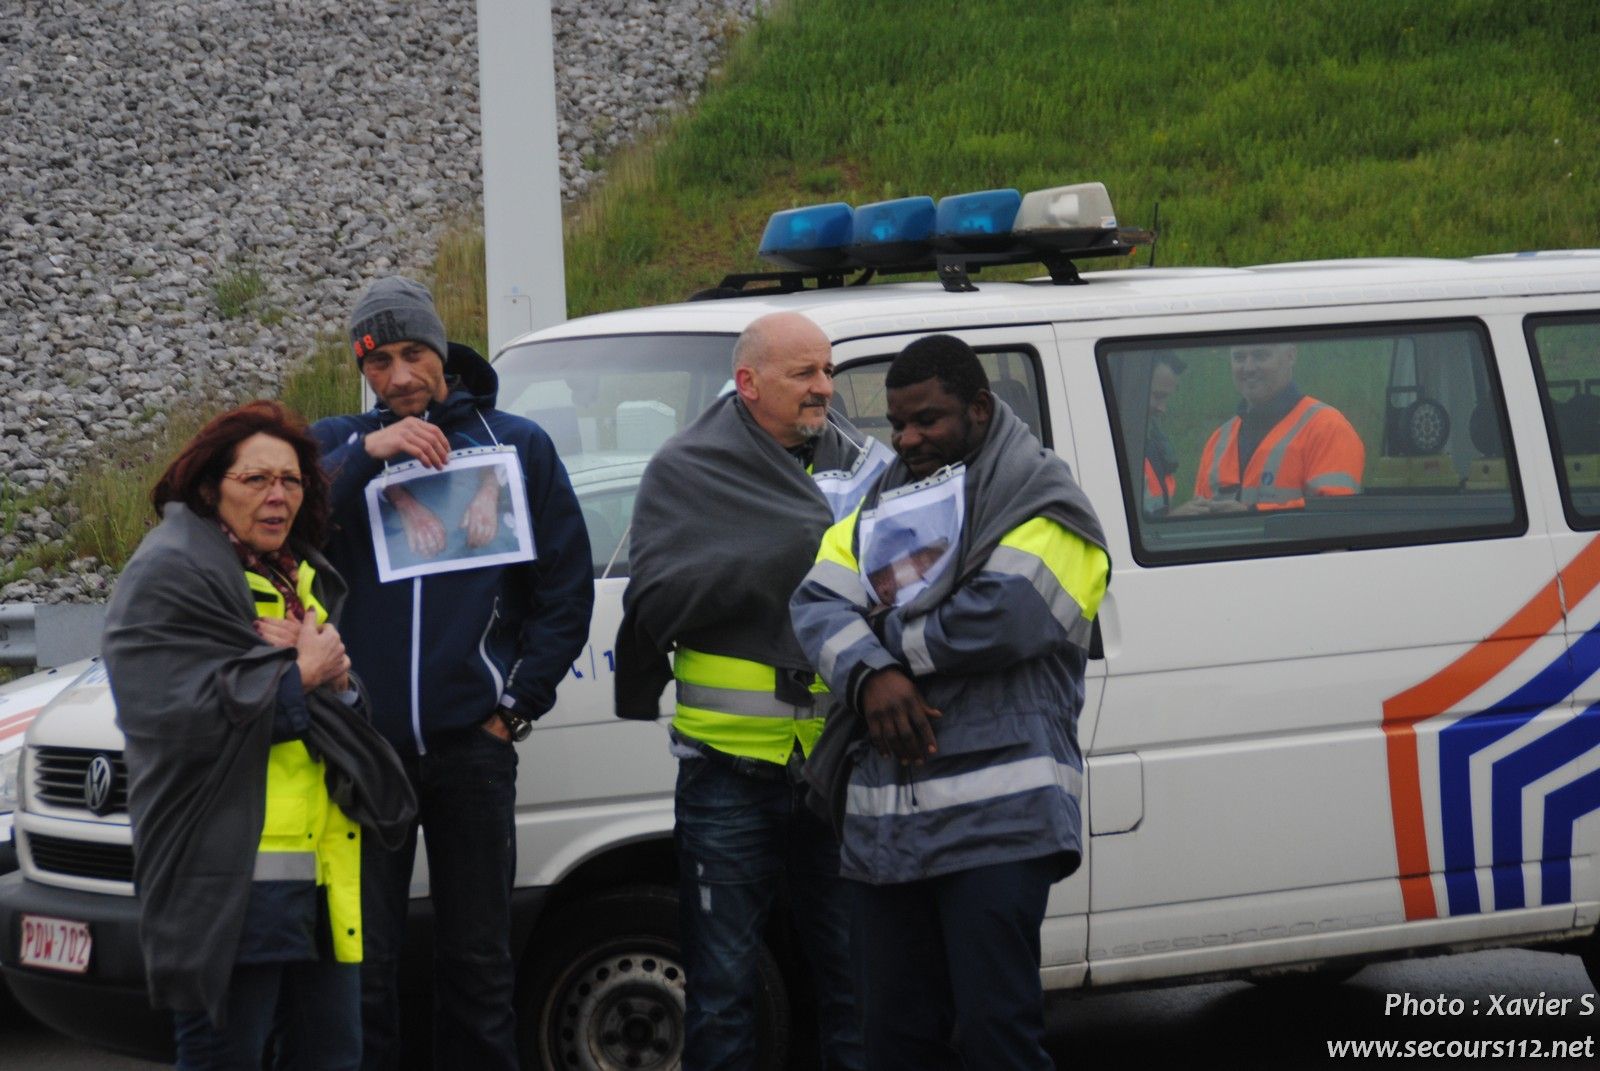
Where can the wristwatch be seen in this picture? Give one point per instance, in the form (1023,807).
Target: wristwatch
(518,726)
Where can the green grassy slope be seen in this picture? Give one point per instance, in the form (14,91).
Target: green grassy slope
(1267,131)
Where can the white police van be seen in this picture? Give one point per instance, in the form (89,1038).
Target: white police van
(20,702)
(1362,727)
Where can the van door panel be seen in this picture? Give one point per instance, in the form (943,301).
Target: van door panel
(1295,926)
(1562,772)
(1276,803)
(567,803)
(1118,794)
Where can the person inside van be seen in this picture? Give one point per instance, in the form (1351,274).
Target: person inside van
(1160,459)
(1282,446)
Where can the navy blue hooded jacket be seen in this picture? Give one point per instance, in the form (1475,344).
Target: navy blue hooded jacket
(437,653)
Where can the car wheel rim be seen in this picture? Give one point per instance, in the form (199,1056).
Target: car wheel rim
(620,1012)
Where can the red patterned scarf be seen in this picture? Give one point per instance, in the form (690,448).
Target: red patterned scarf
(279,567)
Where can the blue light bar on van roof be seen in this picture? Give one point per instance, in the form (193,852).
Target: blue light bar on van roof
(954,236)
(811,237)
(975,221)
(893,232)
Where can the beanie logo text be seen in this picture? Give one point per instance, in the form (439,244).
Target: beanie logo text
(376,330)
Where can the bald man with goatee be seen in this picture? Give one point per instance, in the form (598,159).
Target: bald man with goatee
(728,519)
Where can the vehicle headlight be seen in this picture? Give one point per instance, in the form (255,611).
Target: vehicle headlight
(11,779)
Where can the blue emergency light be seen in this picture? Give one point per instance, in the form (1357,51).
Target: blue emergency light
(959,234)
(814,237)
(893,232)
(976,221)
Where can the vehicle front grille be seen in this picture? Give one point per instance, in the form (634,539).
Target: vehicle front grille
(59,774)
(82,858)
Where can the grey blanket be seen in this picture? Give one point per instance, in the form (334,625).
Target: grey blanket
(196,691)
(725,526)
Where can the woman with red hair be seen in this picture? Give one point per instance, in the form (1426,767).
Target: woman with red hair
(252,768)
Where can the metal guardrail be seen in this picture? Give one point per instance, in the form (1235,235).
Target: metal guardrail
(49,635)
(17,646)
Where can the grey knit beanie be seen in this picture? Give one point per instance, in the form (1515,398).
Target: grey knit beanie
(395,310)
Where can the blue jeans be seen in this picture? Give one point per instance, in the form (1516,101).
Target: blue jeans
(466,789)
(953,957)
(743,831)
(314,1006)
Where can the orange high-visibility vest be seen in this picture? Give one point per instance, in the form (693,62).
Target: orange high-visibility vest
(1159,491)
(1311,451)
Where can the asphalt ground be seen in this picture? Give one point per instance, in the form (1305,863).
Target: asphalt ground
(1289,1024)
(1285,1025)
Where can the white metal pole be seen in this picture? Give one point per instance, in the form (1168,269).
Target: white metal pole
(521,168)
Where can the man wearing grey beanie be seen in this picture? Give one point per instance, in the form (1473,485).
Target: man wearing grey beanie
(395,310)
(458,663)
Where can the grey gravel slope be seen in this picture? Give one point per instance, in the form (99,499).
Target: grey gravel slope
(150,149)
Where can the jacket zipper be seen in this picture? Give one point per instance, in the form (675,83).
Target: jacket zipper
(483,651)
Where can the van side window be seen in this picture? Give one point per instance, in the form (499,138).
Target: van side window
(859,394)
(1566,358)
(1337,438)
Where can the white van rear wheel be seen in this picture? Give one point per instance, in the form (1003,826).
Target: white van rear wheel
(604,989)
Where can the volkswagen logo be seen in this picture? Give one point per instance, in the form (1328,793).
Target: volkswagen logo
(97,785)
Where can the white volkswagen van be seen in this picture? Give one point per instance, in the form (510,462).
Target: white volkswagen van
(1361,727)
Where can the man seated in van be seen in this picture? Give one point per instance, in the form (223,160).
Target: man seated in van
(1282,446)
(1160,459)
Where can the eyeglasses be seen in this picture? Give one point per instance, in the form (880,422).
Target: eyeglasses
(260,483)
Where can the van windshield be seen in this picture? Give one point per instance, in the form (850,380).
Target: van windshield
(608,403)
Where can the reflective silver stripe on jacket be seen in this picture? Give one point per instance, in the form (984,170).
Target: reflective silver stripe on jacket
(1269,490)
(739,701)
(1064,608)
(914,642)
(838,643)
(841,581)
(1341,480)
(285,866)
(1266,489)
(978,786)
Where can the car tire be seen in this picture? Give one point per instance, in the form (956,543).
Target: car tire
(1591,960)
(603,989)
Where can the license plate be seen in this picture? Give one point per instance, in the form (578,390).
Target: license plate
(55,944)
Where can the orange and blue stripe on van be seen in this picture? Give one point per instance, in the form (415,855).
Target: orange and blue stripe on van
(1550,754)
